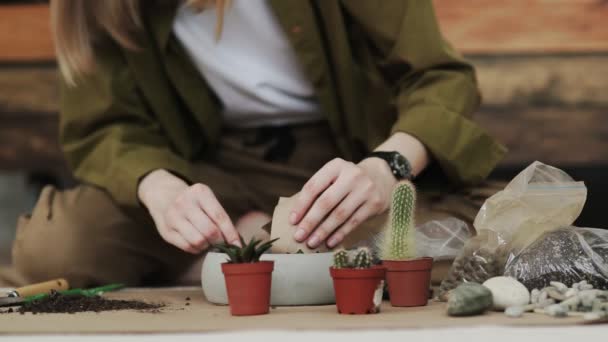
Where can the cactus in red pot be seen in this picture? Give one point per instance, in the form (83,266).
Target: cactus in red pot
(357,284)
(408,278)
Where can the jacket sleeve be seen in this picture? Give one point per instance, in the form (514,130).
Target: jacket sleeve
(109,137)
(435,90)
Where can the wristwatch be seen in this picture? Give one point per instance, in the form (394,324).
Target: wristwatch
(400,166)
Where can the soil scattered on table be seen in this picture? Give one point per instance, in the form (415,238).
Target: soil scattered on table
(58,303)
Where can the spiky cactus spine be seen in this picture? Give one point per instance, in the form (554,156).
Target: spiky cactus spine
(341,259)
(362,258)
(398,242)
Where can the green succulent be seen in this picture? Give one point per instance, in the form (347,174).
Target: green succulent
(249,253)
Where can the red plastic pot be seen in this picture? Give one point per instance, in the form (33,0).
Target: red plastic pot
(248,287)
(355,288)
(409,281)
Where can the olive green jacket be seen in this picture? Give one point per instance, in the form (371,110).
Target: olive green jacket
(377,67)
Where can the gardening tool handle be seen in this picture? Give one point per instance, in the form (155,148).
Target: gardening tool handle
(45,287)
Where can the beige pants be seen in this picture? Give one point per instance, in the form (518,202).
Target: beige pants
(80,234)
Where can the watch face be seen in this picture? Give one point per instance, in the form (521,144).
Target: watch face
(401,167)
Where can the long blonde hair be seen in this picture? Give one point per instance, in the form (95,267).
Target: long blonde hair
(78,24)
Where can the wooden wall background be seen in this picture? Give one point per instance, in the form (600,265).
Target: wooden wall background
(542,67)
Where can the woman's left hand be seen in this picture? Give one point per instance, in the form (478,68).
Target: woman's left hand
(338,198)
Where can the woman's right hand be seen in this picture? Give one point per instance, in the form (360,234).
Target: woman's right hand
(188,217)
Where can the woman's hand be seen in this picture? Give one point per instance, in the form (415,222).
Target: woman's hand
(188,217)
(338,198)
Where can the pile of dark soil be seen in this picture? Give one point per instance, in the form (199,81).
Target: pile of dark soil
(58,303)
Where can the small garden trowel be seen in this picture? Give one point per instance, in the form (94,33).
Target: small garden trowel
(18,296)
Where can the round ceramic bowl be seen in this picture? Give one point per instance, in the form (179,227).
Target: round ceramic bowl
(297,279)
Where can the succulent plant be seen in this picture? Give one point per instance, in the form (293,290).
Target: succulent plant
(398,241)
(249,253)
(360,258)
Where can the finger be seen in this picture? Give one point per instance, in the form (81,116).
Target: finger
(330,198)
(205,226)
(363,213)
(313,188)
(176,239)
(337,217)
(195,238)
(211,206)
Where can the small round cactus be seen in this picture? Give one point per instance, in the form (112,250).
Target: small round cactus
(362,258)
(341,259)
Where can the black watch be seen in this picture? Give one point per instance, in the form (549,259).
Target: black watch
(400,166)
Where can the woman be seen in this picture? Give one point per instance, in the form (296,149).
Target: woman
(189,117)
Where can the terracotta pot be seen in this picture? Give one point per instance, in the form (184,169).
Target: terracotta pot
(355,288)
(248,286)
(409,281)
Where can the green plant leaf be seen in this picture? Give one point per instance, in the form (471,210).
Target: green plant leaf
(249,251)
(263,248)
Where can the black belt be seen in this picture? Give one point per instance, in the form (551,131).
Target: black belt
(280,140)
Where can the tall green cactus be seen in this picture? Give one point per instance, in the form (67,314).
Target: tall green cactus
(362,258)
(398,242)
(341,259)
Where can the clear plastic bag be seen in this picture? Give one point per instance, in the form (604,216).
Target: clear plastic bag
(568,255)
(541,198)
(442,239)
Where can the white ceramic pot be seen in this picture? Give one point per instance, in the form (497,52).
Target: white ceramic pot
(297,279)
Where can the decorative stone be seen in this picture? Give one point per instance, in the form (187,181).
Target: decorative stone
(514,311)
(571,303)
(507,292)
(556,310)
(534,296)
(571,292)
(469,299)
(559,286)
(546,302)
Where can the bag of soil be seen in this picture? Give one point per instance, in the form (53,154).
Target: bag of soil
(541,198)
(568,255)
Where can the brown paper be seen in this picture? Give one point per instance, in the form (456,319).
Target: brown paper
(200,316)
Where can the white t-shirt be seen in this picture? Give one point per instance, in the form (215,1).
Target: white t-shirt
(252,68)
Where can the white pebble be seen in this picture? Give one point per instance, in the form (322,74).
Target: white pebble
(571,303)
(556,310)
(586,287)
(534,295)
(559,286)
(571,292)
(546,303)
(514,311)
(507,292)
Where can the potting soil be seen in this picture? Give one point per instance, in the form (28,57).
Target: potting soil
(58,303)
